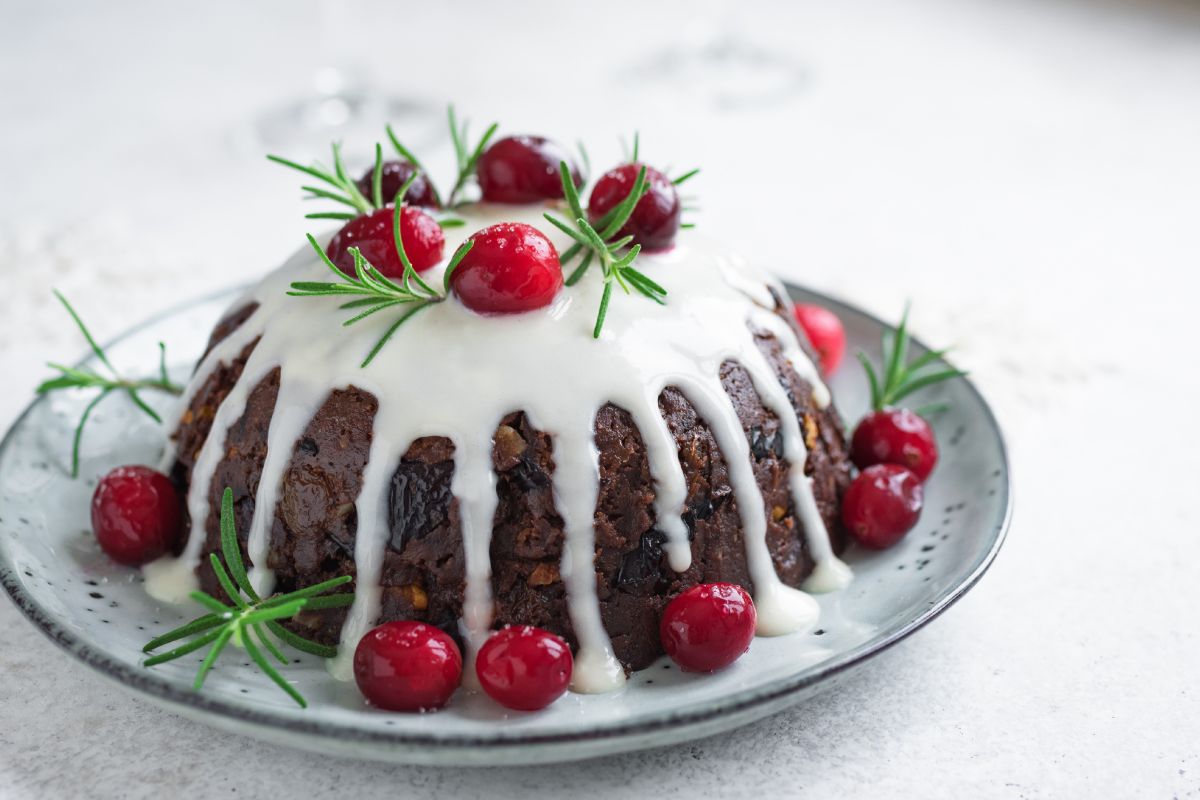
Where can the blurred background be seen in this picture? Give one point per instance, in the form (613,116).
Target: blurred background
(1027,172)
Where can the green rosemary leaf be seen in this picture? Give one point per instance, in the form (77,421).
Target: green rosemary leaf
(207,622)
(281,611)
(299,642)
(445,223)
(96,348)
(310,591)
(568,230)
(401,150)
(78,438)
(924,360)
(319,174)
(318,193)
(222,639)
(324,258)
(348,186)
(894,361)
(603,310)
(624,209)
(140,403)
(617,244)
(211,603)
(455,260)
(330,215)
(570,253)
(271,672)
(644,280)
(594,239)
(370,311)
(623,263)
(183,650)
(270,645)
(163,376)
(365,301)
(329,601)
(871,378)
(917,384)
(931,409)
(231,591)
(687,176)
(581,269)
(569,191)
(231,548)
(390,332)
(687,226)
(377,178)
(456,139)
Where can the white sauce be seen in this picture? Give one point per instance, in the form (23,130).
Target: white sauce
(450,372)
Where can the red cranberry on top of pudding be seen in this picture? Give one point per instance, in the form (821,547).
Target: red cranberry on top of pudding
(523,169)
(655,218)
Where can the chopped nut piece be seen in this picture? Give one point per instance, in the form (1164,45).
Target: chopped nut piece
(778,513)
(543,574)
(416,596)
(509,447)
(810,432)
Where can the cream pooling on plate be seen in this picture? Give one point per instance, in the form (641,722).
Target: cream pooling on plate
(450,372)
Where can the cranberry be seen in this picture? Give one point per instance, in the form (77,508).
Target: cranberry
(372,234)
(882,504)
(895,436)
(655,218)
(523,667)
(512,267)
(825,332)
(395,173)
(523,169)
(407,666)
(708,627)
(136,515)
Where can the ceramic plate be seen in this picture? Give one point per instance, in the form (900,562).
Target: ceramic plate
(97,611)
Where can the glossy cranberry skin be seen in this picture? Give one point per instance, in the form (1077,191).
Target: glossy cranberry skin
(825,333)
(708,627)
(524,668)
(655,219)
(395,173)
(882,504)
(511,268)
(523,169)
(895,436)
(136,515)
(372,235)
(407,666)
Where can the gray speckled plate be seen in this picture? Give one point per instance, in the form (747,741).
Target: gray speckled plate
(97,611)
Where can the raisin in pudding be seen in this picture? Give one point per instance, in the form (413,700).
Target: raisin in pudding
(527,422)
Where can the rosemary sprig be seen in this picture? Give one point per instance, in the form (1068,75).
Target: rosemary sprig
(85,378)
(597,242)
(343,190)
(465,157)
(376,292)
(897,377)
(245,620)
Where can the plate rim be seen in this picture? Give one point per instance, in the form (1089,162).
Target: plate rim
(193,703)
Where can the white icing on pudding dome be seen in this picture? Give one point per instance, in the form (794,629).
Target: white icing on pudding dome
(452,373)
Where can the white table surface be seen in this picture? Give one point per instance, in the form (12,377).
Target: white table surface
(1027,172)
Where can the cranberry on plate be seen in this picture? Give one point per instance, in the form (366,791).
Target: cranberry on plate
(523,169)
(895,436)
(374,236)
(882,504)
(407,666)
(395,173)
(655,218)
(524,668)
(708,627)
(512,267)
(824,331)
(136,515)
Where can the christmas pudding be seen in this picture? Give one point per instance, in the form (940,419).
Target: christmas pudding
(516,411)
